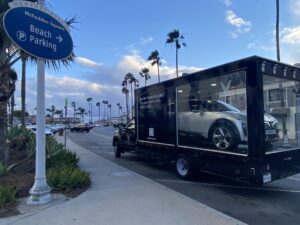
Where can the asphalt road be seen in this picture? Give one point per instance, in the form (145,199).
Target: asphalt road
(276,203)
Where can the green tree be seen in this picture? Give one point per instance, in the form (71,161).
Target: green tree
(132,81)
(52,110)
(125,92)
(109,107)
(81,112)
(177,38)
(73,104)
(145,73)
(98,104)
(24,57)
(90,102)
(155,60)
(105,102)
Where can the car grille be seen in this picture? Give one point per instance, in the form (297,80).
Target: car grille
(271,125)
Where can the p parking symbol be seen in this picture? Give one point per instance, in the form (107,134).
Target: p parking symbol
(21,35)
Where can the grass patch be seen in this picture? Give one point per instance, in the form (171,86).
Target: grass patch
(7,195)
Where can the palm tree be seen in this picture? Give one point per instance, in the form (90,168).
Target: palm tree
(284,129)
(89,100)
(98,104)
(125,91)
(52,111)
(81,112)
(73,104)
(118,106)
(120,109)
(131,80)
(145,73)
(277,31)
(24,57)
(60,112)
(177,38)
(155,59)
(109,107)
(104,103)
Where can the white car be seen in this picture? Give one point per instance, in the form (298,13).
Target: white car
(48,132)
(222,124)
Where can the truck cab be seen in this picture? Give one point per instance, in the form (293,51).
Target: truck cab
(124,139)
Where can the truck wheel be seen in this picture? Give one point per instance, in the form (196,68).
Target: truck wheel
(117,149)
(224,137)
(183,167)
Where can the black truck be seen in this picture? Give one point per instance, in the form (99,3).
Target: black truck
(239,120)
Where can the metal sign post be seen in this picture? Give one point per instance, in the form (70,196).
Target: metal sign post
(40,192)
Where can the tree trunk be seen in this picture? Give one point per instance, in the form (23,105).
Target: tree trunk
(4,154)
(131,100)
(127,107)
(176,61)
(23,93)
(158,72)
(12,109)
(277,31)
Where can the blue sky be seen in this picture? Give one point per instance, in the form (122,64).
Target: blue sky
(114,37)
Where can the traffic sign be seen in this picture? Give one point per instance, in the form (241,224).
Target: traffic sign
(38,32)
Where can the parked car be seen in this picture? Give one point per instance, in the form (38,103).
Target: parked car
(32,128)
(222,124)
(82,127)
(124,138)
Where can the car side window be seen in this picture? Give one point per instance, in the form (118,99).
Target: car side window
(131,126)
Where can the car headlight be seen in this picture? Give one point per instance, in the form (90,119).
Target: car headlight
(244,126)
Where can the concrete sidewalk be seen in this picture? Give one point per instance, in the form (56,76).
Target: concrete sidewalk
(120,197)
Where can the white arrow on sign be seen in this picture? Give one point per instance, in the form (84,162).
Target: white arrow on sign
(59,38)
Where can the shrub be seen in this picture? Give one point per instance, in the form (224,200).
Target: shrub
(21,139)
(63,158)
(68,178)
(3,169)
(52,147)
(7,195)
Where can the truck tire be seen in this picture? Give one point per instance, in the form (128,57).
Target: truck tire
(224,136)
(183,167)
(117,149)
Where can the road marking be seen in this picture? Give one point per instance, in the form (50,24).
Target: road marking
(228,186)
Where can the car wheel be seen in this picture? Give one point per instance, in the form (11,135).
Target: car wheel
(183,167)
(117,149)
(224,137)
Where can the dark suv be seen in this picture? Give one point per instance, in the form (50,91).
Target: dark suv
(124,138)
(82,127)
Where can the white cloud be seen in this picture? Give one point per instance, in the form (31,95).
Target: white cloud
(241,25)
(227,2)
(134,63)
(87,62)
(146,40)
(294,6)
(291,35)
(259,46)
(100,83)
